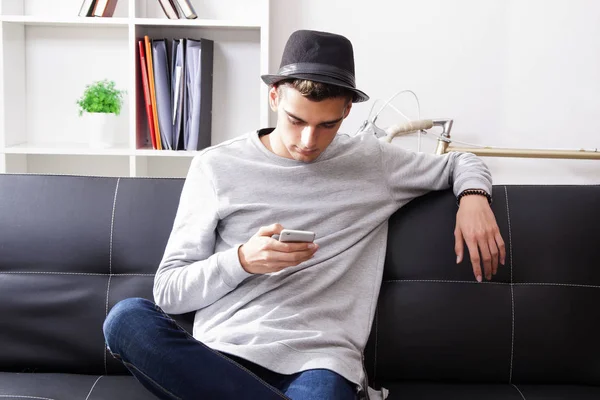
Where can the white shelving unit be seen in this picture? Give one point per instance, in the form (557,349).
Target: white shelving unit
(48,54)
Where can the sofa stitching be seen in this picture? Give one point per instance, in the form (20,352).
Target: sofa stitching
(521,393)
(112,229)
(112,226)
(556,284)
(512,289)
(106,315)
(69,273)
(494,283)
(16,396)
(93,386)
(443,281)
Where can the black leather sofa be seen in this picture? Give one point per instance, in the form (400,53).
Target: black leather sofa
(71,247)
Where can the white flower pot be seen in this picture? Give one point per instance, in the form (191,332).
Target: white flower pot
(101,129)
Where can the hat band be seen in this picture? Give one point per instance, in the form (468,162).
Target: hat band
(318,69)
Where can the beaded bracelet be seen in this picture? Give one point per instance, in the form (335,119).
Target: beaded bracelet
(479,192)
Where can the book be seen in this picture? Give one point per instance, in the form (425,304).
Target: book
(152,91)
(105,8)
(199,84)
(169,9)
(146,90)
(187,10)
(87,8)
(178,91)
(162,87)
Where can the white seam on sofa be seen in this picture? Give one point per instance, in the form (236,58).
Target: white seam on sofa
(512,289)
(556,284)
(521,393)
(112,226)
(112,229)
(16,396)
(93,386)
(443,281)
(494,283)
(69,273)
(104,342)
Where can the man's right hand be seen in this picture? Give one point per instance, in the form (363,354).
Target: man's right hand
(262,254)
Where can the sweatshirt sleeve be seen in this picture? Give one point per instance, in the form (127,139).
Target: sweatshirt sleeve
(190,275)
(411,174)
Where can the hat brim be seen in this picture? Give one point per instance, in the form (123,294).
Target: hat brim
(359,96)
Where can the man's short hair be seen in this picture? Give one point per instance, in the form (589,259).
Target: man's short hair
(315,91)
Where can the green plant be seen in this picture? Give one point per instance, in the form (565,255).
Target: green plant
(101,97)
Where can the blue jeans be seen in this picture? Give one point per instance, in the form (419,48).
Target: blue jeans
(170,363)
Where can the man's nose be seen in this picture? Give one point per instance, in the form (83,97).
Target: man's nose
(308,137)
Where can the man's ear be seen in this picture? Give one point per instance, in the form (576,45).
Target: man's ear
(348,107)
(273,98)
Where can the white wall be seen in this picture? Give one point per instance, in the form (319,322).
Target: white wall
(511,73)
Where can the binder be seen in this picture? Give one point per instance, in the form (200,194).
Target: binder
(162,84)
(178,91)
(152,91)
(199,84)
(146,90)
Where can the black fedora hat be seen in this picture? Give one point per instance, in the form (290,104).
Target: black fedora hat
(320,57)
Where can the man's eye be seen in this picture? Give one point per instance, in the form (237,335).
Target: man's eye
(295,122)
(329,126)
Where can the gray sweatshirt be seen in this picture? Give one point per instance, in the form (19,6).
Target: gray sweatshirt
(317,314)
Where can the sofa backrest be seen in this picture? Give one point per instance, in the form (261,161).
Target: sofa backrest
(537,321)
(72,247)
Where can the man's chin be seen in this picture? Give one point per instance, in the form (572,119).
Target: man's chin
(306,157)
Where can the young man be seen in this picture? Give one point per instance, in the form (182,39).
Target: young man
(281,320)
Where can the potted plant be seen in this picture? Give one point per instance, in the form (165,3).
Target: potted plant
(101,104)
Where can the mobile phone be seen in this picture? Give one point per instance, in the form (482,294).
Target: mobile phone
(291,235)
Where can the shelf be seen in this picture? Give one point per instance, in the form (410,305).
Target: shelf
(81,149)
(200,23)
(165,153)
(123,22)
(74,21)
(66,149)
(50,54)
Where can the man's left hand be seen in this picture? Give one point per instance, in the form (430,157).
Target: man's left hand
(476,226)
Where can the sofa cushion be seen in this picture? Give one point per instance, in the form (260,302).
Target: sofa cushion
(536,322)
(70,249)
(436,391)
(71,387)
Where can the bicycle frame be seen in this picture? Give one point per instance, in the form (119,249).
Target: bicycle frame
(443,146)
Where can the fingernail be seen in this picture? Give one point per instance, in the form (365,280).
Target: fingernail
(457,259)
(311,246)
(488,277)
(479,278)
